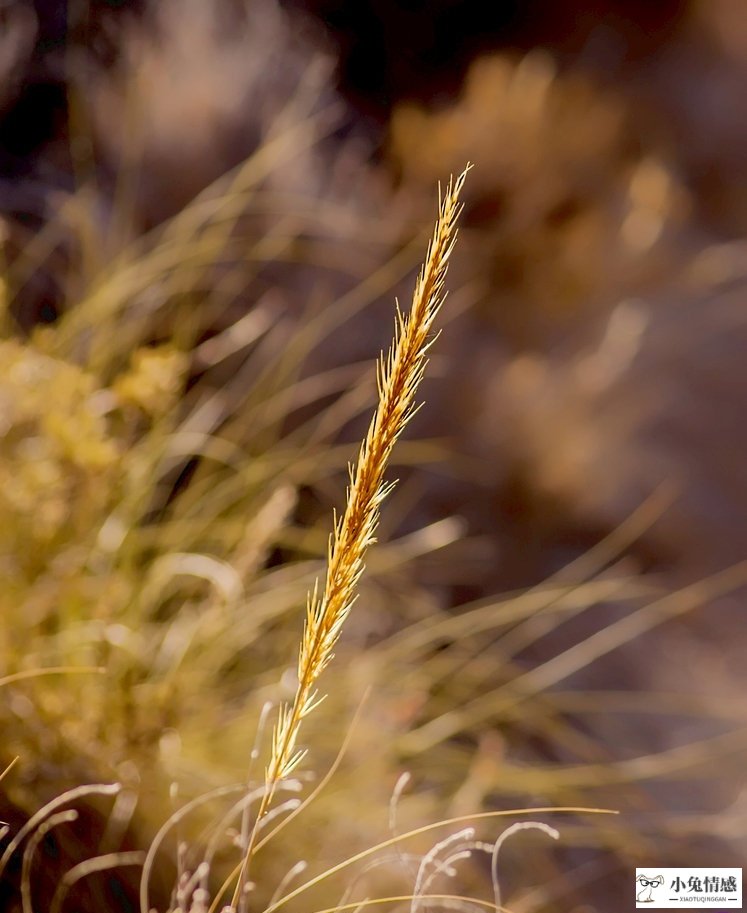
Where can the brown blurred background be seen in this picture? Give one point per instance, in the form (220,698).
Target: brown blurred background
(595,358)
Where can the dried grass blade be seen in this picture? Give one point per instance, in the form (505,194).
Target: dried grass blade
(398,375)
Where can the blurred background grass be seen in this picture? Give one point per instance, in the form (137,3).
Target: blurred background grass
(207,211)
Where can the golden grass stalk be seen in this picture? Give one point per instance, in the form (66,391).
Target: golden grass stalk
(398,375)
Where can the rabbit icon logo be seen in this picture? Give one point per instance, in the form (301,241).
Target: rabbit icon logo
(647,883)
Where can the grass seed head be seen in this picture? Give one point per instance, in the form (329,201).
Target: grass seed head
(398,375)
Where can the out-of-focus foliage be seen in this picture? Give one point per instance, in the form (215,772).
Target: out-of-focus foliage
(173,444)
(567,213)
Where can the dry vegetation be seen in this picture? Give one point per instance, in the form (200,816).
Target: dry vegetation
(551,617)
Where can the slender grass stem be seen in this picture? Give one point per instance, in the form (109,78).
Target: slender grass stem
(398,376)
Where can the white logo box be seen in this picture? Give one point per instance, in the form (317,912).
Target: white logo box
(659,888)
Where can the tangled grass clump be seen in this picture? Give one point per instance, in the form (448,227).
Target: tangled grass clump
(148,386)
